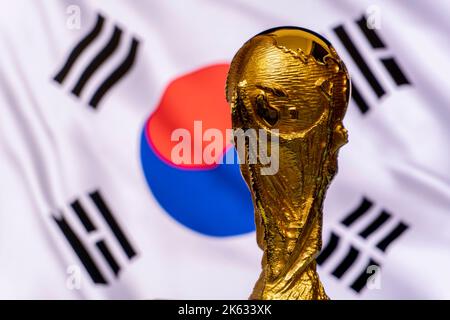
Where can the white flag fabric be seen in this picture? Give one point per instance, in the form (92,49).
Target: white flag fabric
(91,207)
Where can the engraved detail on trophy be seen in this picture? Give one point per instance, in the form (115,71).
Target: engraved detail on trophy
(290,83)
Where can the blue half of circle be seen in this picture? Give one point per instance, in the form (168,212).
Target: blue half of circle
(214,202)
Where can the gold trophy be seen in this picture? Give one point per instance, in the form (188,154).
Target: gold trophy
(290,83)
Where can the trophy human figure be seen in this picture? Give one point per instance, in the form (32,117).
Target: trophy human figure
(291,83)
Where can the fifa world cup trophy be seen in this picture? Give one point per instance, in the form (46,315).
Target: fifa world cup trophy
(290,83)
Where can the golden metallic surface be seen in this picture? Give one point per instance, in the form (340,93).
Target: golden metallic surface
(292,80)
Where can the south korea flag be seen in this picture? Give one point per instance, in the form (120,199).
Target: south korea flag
(91,206)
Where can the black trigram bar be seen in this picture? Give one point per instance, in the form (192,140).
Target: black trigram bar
(375,224)
(370,34)
(112,223)
(329,249)
(394,70)
(359,99)
(83,216)
(394,234)
(116,75)
(101,245)
(79,48)
(363,207)
(359,60)
(99,59)
(80,250)
(361,281)
(345,264)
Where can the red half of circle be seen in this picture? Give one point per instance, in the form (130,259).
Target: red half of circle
(196,96)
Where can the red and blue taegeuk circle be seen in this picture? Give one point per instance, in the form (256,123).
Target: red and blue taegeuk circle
(212,199)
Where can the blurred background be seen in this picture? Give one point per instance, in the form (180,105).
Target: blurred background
(91,206)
